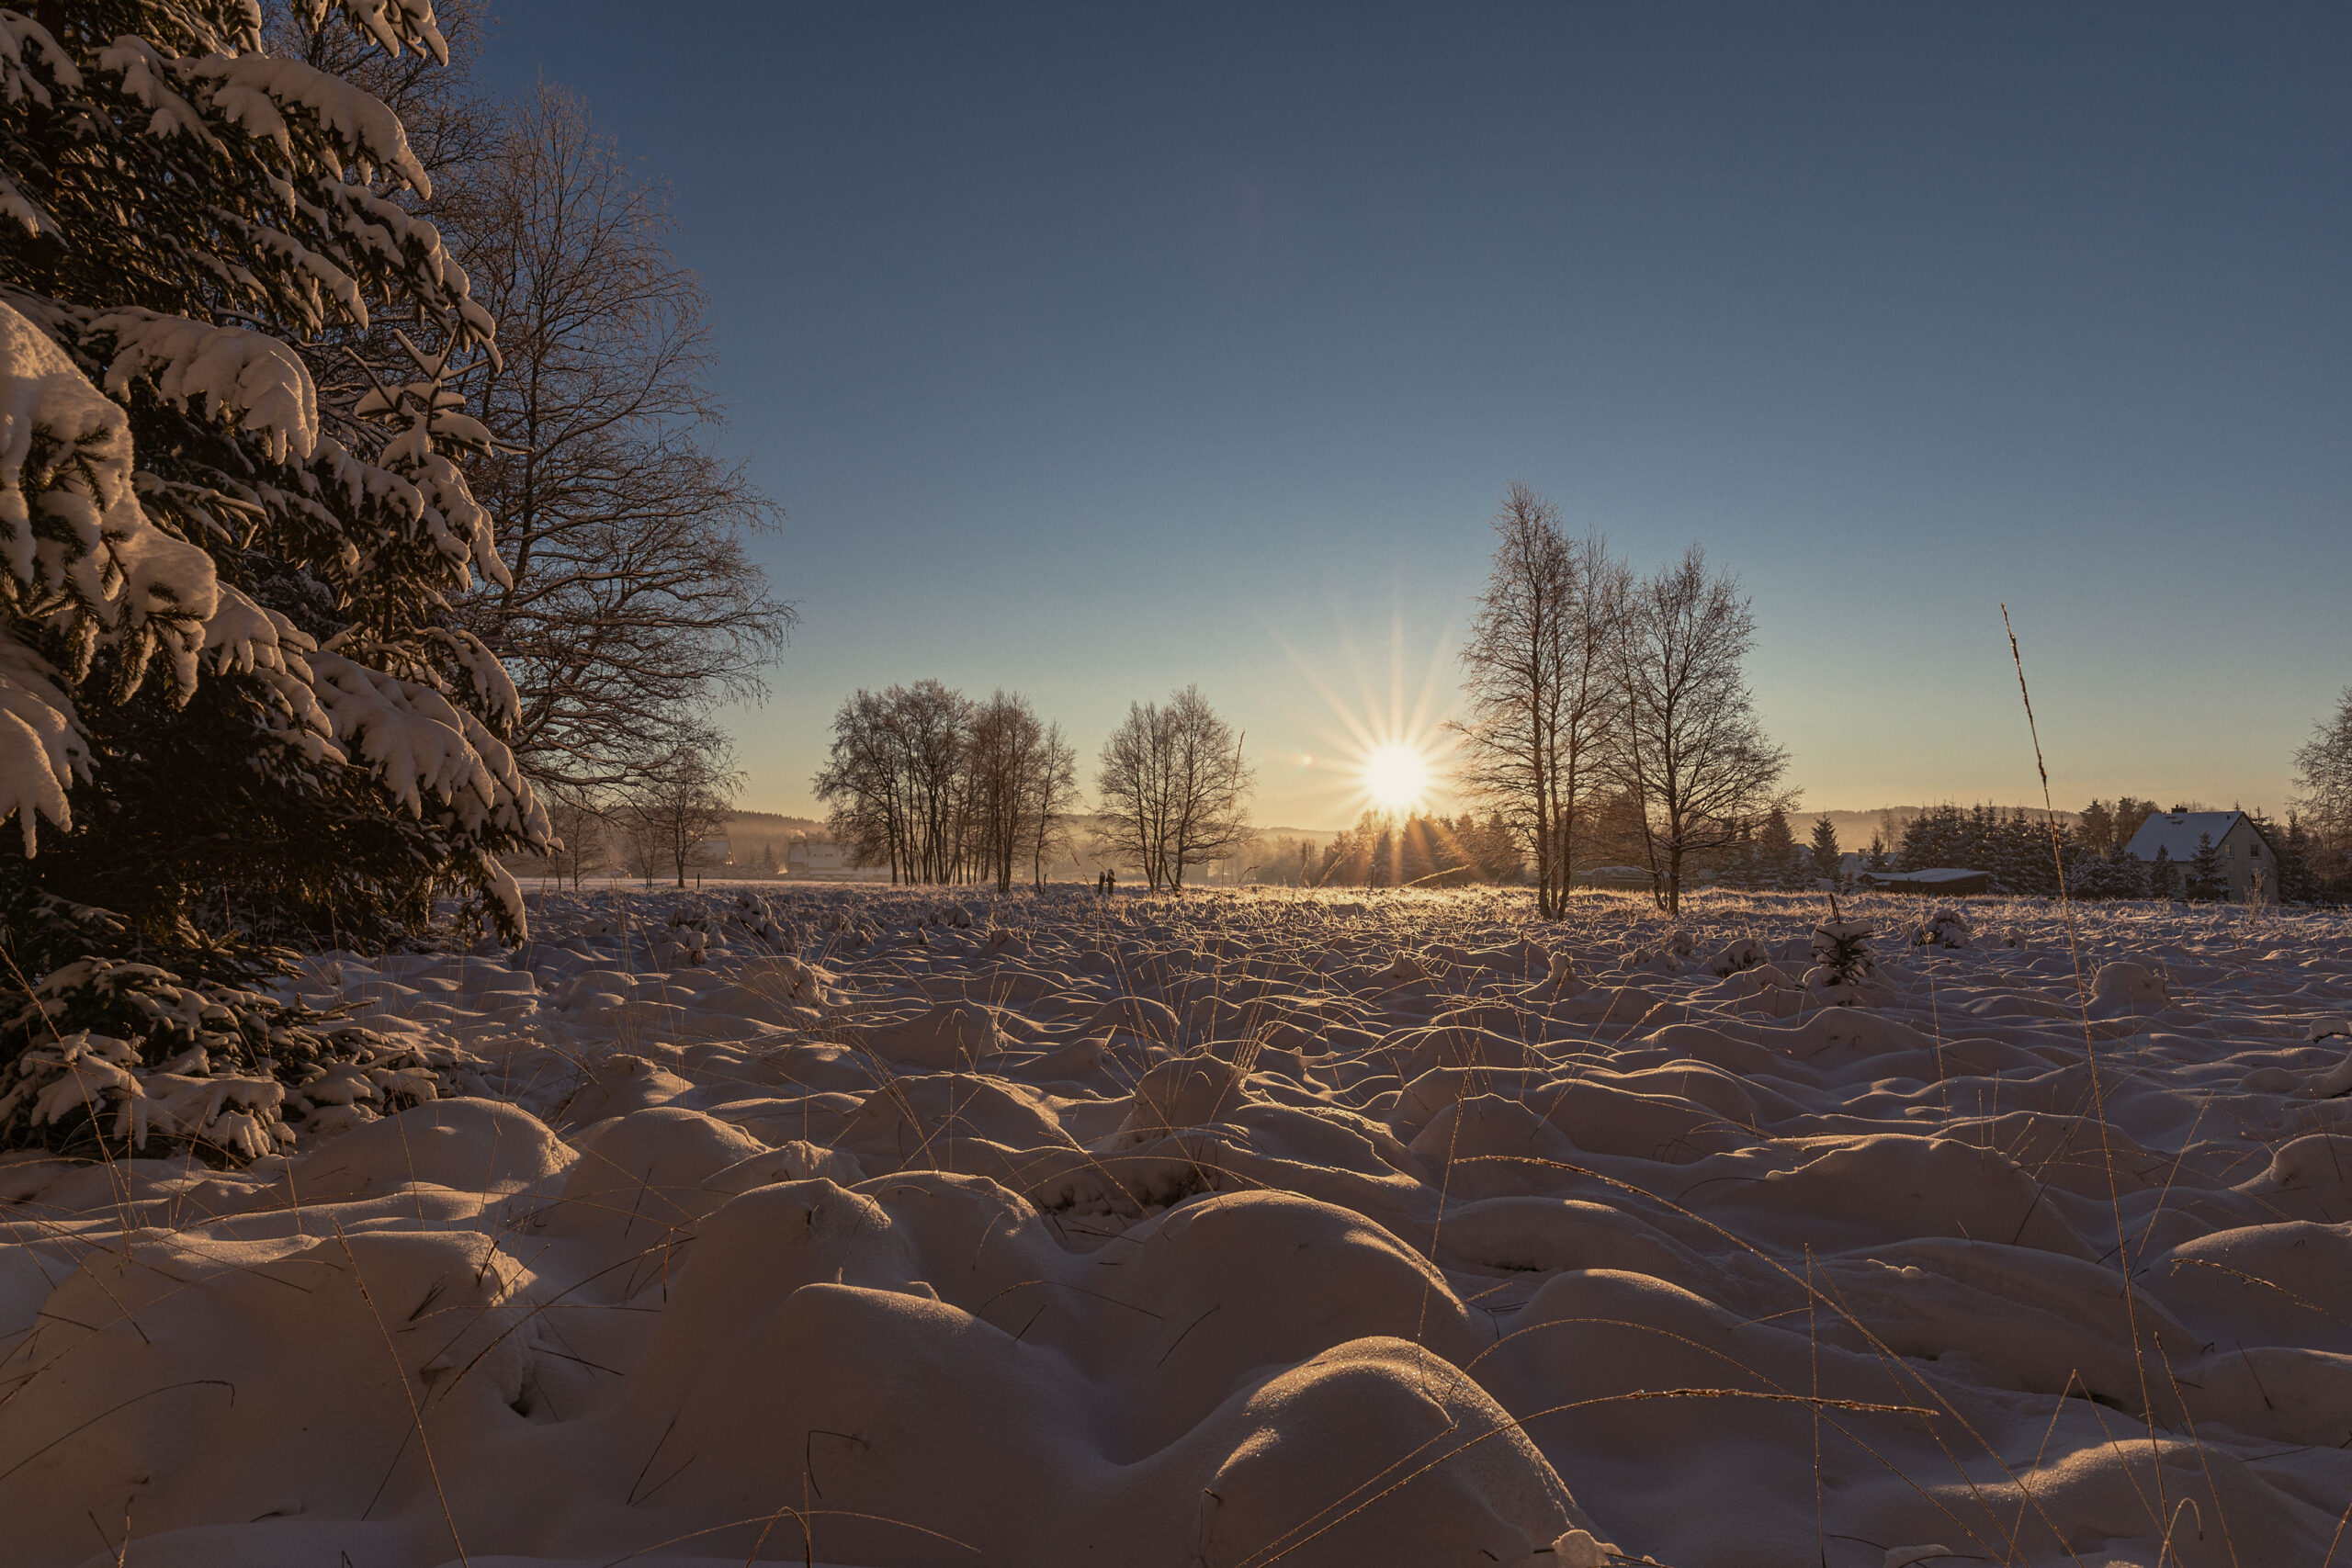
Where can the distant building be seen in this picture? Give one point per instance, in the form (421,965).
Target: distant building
(830,863)
(1855,864)
(2249,865)
(1954,881)
(802,858)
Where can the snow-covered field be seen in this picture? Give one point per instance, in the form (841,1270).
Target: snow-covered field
(869,1228)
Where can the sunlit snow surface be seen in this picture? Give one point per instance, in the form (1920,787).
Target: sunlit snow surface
(912,1230)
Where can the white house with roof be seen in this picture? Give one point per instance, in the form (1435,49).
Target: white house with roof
(829,863)
(2249,865)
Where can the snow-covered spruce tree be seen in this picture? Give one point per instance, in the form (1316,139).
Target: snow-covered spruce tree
(233,707)
(2204,880)
(2021,849)
(2130,874)
(2014,848)
(2090,877)
(1929,839)
(2296,882)
(2119,875)
(1842,951)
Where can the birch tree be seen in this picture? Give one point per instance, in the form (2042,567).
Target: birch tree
(1686,744)
(1539,684)
(1053,785)
(579,827)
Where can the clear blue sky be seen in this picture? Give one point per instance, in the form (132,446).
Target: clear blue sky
(1096,349)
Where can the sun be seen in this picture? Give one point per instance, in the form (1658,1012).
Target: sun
(1396,777)
(1390,751)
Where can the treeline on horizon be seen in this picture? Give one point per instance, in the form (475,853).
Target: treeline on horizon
(2014,847)
(1383,850)
(2011,845)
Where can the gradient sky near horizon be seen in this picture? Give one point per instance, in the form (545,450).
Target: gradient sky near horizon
(1091,350)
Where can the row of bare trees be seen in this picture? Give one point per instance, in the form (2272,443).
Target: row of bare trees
(663,822)
(942,788)
(1584,684)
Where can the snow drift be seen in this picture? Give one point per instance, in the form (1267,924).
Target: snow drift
(1233,1231)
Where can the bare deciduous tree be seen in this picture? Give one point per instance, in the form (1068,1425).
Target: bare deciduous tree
(859,785)
(1001,760)
(929,725)
(1022,780)
(1053,785)
(636,605)
(580,824)
(1174,788)
(641,846)
(1687,746)
(1538,678)
(682,802)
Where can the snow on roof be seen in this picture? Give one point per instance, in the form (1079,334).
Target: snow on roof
(2176,833)
(1926,873)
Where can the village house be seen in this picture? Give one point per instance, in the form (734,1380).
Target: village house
(2249,865)
(829,863)
(802,858)
(1950,881)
